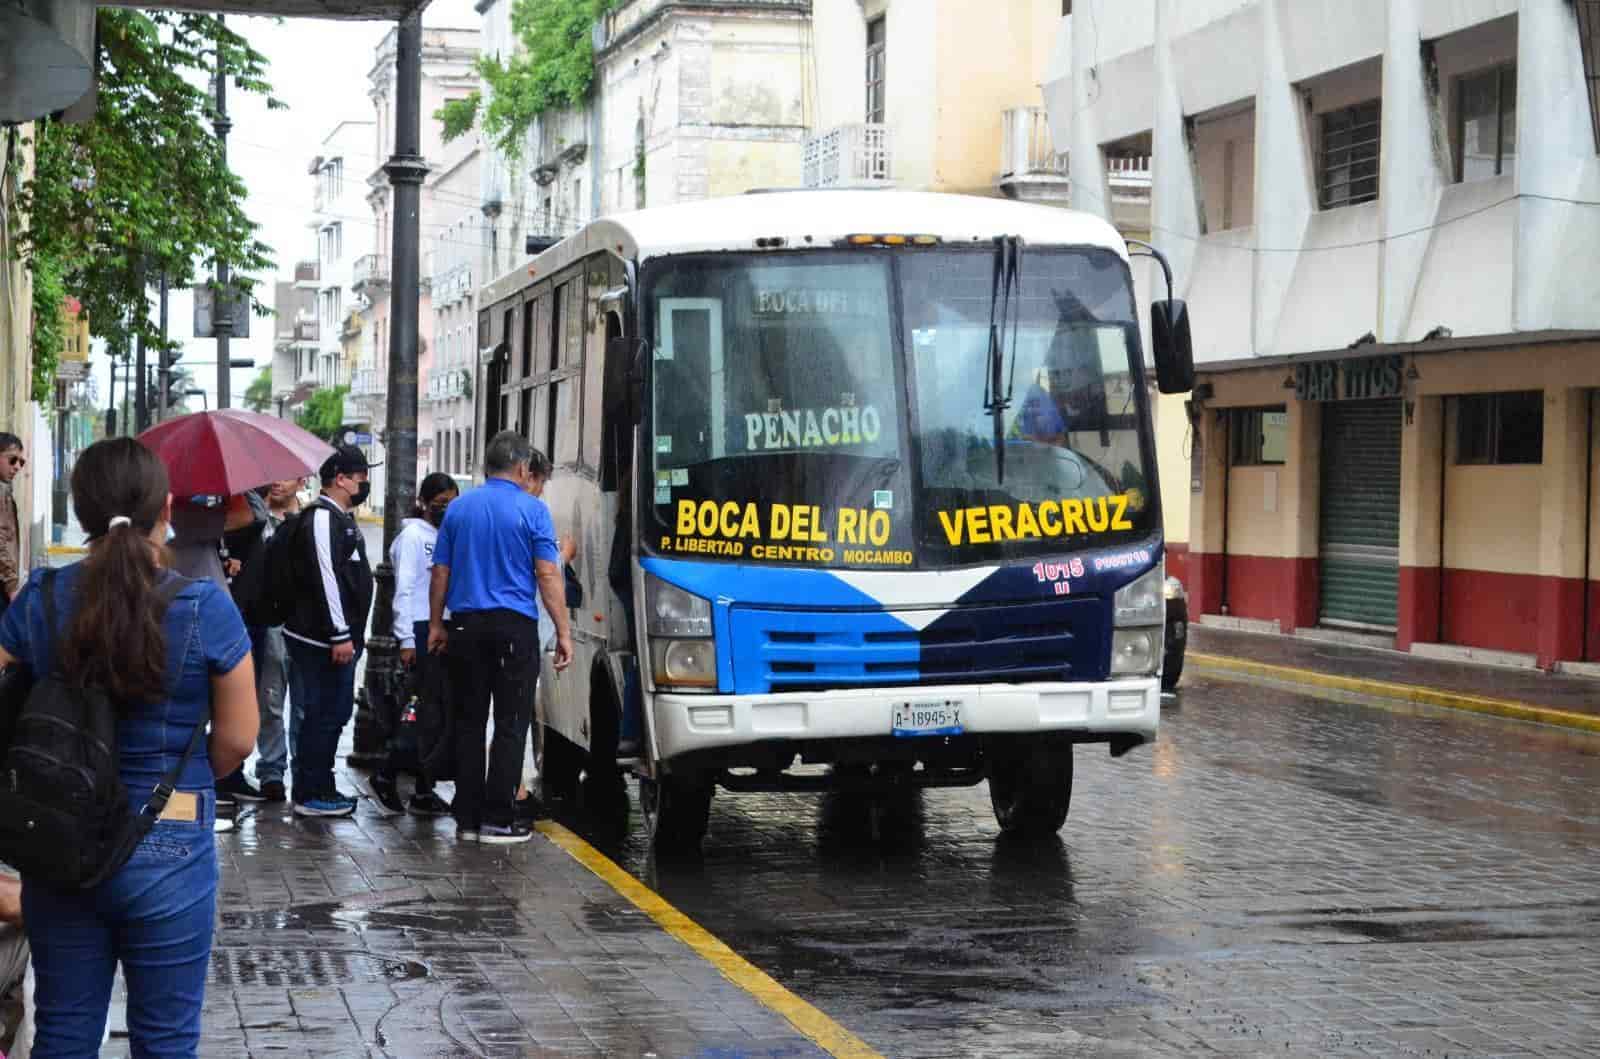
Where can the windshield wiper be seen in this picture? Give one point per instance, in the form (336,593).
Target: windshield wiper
(998,386)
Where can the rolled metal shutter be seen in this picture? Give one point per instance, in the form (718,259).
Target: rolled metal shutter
(1360,536)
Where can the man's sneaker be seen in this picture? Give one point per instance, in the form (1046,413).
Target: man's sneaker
(504,834)
(237,788)
(429,804)
(466,834)
(227,815)
(388,795)
(325,805)
(272,791)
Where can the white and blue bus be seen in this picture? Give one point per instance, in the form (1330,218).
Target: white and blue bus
(860,479)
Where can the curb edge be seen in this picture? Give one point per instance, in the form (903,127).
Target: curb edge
(1416,693)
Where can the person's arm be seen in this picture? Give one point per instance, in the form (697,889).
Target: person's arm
(322,546)
(553,590)
(438,590)
(235,717)
(11,900)
(569,548)
(10,575)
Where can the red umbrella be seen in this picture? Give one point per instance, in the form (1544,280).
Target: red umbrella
(231,451)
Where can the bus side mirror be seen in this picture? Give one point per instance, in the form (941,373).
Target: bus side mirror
(1174,351)
(624,373)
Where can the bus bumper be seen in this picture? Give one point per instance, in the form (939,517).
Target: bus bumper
(689,723)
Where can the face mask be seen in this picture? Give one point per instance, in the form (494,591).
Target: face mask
(363,494)
(434,515)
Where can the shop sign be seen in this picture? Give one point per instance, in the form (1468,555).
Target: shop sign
(1361,379)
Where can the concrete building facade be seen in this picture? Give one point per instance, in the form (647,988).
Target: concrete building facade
(1376,210)
(297,336)
(337,223)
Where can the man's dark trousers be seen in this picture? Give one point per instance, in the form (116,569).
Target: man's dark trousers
(327,694)
(493,654)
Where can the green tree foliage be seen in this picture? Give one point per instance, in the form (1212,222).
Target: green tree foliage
(258,398)
(141,188)
(554,68)
(323,412)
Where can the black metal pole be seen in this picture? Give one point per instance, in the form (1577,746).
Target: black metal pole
(407,169)
(163,359)
(141,396)
(223,316)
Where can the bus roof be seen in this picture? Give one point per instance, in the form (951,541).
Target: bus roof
(803,219)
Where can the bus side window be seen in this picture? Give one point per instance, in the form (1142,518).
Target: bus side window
(596,447)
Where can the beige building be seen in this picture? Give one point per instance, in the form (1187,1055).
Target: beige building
(699,102)
(1376,210)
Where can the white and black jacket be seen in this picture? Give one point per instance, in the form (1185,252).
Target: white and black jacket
(335,581)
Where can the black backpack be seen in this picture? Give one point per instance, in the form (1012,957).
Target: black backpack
(64,812)
(266,589)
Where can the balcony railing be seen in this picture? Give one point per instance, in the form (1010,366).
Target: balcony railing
(447,384)
(1026,149)
(371,272)
(451,285)
(366,382)
(849,156)
(307,331)
(308,273)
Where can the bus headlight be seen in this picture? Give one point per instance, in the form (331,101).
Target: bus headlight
(1141,601)
(1135,652)
(670,611)
(685,664)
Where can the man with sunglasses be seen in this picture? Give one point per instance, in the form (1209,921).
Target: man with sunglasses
(11,463)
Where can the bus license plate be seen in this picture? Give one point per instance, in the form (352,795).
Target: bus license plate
(938,717)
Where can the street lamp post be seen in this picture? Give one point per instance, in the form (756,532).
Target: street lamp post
(407,169)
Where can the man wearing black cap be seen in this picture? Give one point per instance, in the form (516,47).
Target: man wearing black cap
(328,630)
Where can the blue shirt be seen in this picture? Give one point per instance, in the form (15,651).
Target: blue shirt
(205,637)
(490,540)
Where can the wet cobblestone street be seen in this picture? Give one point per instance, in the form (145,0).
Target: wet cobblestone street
(1278,875)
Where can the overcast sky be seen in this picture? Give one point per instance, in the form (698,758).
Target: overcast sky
(319,69)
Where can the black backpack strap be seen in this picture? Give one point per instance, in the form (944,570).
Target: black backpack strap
(162,793)
(47,588)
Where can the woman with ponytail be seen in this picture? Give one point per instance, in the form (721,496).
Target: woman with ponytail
(168,671)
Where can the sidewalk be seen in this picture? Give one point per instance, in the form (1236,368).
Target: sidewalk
(385,936)
(1529,695)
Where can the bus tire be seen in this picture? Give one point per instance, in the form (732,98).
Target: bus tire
(1031,790)
(676,811)
(560,765)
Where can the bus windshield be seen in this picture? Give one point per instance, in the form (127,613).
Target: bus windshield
(827,408)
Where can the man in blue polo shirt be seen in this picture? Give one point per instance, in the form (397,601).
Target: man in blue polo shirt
(497,543)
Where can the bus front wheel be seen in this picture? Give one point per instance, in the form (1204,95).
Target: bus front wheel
(676,810)
(1031,788)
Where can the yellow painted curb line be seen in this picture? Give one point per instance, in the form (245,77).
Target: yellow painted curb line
(66,549)
(828,1034)
(1508,708)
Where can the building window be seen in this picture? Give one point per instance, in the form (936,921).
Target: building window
(876,38)
(1347,170)
(1260,436)
(1486,123)
(1500,428)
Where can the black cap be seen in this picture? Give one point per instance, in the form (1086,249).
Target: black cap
(346,459)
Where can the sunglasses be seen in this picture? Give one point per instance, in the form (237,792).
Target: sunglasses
(17,461)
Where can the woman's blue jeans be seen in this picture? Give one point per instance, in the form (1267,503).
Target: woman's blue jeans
(155,916)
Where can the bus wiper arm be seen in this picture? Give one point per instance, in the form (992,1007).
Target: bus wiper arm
(1005,305)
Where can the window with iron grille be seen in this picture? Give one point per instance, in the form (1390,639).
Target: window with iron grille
(877,37)
(1500,428)
(1486,123)
(1347,169)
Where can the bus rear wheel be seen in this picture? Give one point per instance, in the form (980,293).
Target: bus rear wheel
(676,810)
(1031,788)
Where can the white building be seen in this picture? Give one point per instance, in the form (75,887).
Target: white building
(337,219)
(1382,214)
(452,264)
(297,338)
